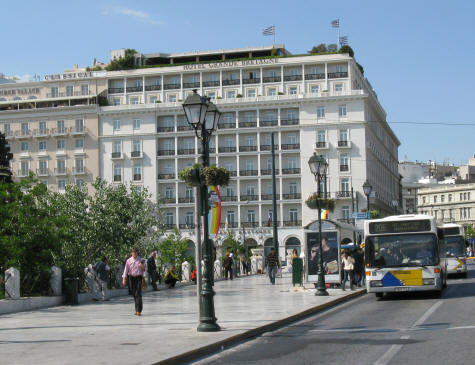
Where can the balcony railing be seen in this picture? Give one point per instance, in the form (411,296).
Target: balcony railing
(227,149)
(39,133)
(78,131)
(186,199)
(169,225)
(233,173)
(136,154)
(244,198)
(268,123)
(191,85)
(266,147)
(247,148)
(23,173)
(78,170)
(229,198)
(42,172)
(165,129)
(271,79)
(249,224)
(343,194)
(314,76)
(247,172)
(336,75)
(268,197)
(171,86)
(166,152)
(153,87)
(185,127)
(186,151)
(8,134)
(344,168)
(344,144)
(230,82)
(226,125)
(247,124)
(228,225)
(168,200)
(290,146)
(60,171)
(322,144)
(134,89)
(251,81)
(290,171)
(166,176)
(289,121)
(293,78)
(137,177)
(187,225)
(59,132)
(269,171)
(117,155)
(116,90)
(292,196)
(210,83)
(293,223)
(23,134)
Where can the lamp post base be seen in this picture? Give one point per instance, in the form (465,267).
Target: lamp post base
(210,326)
(321,293)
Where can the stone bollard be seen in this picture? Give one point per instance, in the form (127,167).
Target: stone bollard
(12,283)
(119,270)
(218,269)
(90,282)
(55,281)
(254,265)
(260,264)
(185,271)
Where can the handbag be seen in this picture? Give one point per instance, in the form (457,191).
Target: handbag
(144,283)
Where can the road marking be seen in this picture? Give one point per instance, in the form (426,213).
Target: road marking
(427,314)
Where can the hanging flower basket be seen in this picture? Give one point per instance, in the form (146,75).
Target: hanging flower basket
(210,176)
(191,175)
(313,202)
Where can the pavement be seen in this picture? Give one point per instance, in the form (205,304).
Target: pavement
(110,333)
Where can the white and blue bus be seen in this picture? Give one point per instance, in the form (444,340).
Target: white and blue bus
(455,248)
(402,254)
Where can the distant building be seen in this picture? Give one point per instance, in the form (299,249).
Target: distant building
(467,172)
(7,79)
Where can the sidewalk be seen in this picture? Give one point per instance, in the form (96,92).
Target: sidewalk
(109,333)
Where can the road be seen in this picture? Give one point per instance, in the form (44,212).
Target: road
(399,329)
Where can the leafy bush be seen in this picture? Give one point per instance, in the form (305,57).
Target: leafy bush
(361,68)
(347,49)
(313,200)
(322,47)
(123,63)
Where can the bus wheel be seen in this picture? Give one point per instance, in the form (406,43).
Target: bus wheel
(379,295)
(465,275)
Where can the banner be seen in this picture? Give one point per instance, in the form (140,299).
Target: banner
(214,215)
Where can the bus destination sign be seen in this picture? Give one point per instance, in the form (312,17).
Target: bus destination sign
(451,231)
(422,225)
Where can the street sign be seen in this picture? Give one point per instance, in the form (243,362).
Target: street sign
(360,215)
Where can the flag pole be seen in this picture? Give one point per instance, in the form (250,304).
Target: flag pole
(274,32)
(338,42)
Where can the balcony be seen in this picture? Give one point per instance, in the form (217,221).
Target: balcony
(115,90)
(292,196)
(249,224)
(247,148)
(78,170)
(244,198)
(78,131)
(168,201)
(344,168)
(59,132)
(230,82)
(293,78)
(191,85)
(9,134)
(233,173)
(343,194)
(210,83)
(137,177)
(248,124)
(60,171)
(251,81)
(187,225)
(337,75)
(271,79)
(134,89)
(166,176)
(247,172)
(186,199)
(290,146)
(314,76)
(169,226)
(117,155)
(344,144)
(166,153)
(289,121)
(322,145)
(136,154)
(185,127)
(267,147)
(229,198)
(268,123)
(42,172)
(269,171)
(153,87)
(165,129)
(226,125)
(228,225)
(268,197)
(186,151)
(23,173)
(41,133)
(293,223)
(171,86)
(227,149)
(23,134)
(290,171)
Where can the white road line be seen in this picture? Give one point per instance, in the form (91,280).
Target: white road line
(427,314)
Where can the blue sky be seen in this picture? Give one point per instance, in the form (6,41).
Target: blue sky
(418,55)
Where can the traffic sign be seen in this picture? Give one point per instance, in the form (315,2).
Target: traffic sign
(360,215)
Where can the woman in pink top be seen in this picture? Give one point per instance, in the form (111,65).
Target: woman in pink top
(134,268)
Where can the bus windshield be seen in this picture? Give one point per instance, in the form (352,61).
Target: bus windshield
(401,250)
(455,246)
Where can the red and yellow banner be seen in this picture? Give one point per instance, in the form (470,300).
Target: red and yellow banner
(214,215)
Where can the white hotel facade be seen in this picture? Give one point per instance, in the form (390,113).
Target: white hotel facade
(312,103)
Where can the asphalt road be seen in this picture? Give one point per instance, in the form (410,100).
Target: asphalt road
(401,329)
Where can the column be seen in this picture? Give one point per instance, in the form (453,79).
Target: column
(163,95)
(176,196)
(143,90)
(278,116)
(240,81)
(281,206)
(326,76)
(258,119)
(304,91)
(262,81)
(350,82)
(201,82)
(237,119)
(220,83)
(260,207)
(282,78)
(125,90)
(181,86)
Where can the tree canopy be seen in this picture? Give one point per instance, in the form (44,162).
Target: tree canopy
(123,63)
(5,157)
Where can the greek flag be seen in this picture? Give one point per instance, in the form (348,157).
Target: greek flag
(344,40)
(269,30)
(336,23)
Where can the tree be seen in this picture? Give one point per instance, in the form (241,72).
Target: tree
(5,157)
(322,47)
(173,251)
(469,232)
(231,244)
(347,49)
(332,48)
(123,63)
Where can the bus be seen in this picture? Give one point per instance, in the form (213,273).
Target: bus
(402,255)
(454,250)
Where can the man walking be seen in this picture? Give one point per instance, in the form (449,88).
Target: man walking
(152,270)
(102,270)
(272,263)
(134,268)
(227,264)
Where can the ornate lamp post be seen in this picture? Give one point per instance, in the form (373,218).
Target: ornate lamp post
(203,116)
(394,203)
(318,167)
(367,189)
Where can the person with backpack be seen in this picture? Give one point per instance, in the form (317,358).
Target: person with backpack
(152,270)
(102,270)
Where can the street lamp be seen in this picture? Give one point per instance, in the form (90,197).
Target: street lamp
(394,203)
(203,116)
(367,189)
(318,166)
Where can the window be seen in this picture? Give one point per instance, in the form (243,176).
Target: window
(79,182)
(136,123)
(251,190)
(249,165)
(231,94)
(251,216)
(250,141)
(116,101)
(294,72)
(189,192)
(169,169)
(345,210)
(117,147)
(344,162)
(292,139)
(229,166)
(269,164)
(269,115)
(60,144)
(272,91)
(442,198)
(321,136)
(273,73)
(461,196)
(292,163)
(134,100)
(450,198)
(169,219)
(136,146)
(464,196)
(6,129)
(117,173)
(79,165)
(24,168)
(61,185)
(172,98)
(291,114)
(54,92)
(116,125)
(42,127)
(79,124)
(69,90)
(61,166)
(338,89)
(343,135)
(249,117)
(339,68)
(424,199)
(314,89)
(153,99)
(230,216)
(345,184)
(435,198)
(169,193)
(293,188)
(321,112)
(24,147)
(212,95)
(229,191)
(137,175)
(228,118)
(293,213)
(42,146)
(293,90)
(228,142)
(342,111)
(60,127)
(79,143)
(25,130)
(189,219)
(84,89)
(468,196)
(315,70)
(442,213)
(251,93)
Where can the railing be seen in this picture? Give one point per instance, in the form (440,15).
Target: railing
(168,201)
(59,131)
(345,220)
(136,154)
(292,196)
(322,145)
(23,173)
(137,177)
(78,170)
(8,134)
(165,129)
(23,134)
(233,173)
(289,121)
(247,172)
(78,131)
(190,85)
(269,171)
(165,152)
(229,225)
(251,81)
(171,86)
(343,143)
(116,155)
(249,198)
(293,78)
(271,79)
(226,125)
(292,223)
(42,172)
(344,168)
(291,171)
(41,133)
(268,123)
(60,172)
(314,76)
(185,127)
(186,151)
(266,147)
(115,90)
(228,198)
(169,225)
(210,83)
(249,224)
(166,176)
(227,149)
(134,89)
(247,148)
(186,199)
(336,75)
(153,87)
(247,124)
(230,82)
(268,197)
(117,178)
(343,194)
(291,146)
(187,225)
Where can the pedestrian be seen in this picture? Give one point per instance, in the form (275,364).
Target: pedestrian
(359,268)
(348,269)
(171,278)
(193,275)
(227,264)
(152,270)
(102,270)
(272,263)
(134,268)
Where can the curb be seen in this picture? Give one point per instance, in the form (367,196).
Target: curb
(233,340)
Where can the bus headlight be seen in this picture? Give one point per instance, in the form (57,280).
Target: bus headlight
(430,281)
(375,283)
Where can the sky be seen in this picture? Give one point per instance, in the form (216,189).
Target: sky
(418,55)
